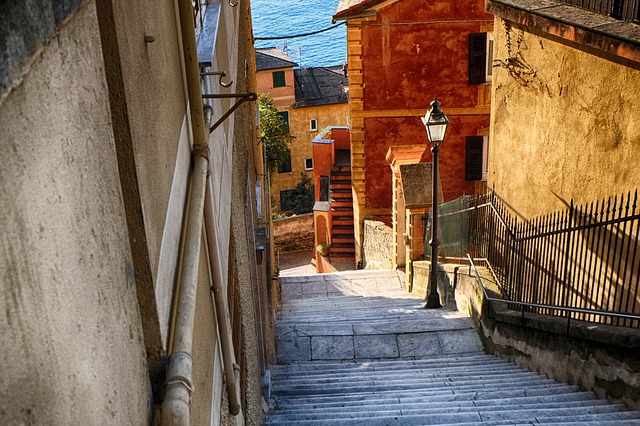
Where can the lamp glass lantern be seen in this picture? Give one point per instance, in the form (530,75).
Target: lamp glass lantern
(435,121)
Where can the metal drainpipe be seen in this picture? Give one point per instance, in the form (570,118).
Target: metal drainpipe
(219,294)
(179,384)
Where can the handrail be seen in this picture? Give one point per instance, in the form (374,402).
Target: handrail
(542,305)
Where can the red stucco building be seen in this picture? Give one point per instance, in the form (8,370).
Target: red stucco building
(401,55)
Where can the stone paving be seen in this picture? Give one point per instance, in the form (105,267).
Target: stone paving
(354,348)
(363,315)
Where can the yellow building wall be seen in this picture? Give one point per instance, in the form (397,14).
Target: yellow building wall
(299,125)
(564,124)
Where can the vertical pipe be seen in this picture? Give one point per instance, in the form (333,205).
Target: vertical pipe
(219,294)
(179,384)
(177,399)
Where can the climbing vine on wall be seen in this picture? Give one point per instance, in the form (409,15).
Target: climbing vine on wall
(515,63)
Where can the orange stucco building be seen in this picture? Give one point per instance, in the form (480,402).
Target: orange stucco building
(401,55)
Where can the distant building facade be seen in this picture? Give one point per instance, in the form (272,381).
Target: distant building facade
(401,55)
(310,99)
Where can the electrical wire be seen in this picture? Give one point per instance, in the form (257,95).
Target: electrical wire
(300,35)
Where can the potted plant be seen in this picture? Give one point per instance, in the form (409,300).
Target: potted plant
(323,249)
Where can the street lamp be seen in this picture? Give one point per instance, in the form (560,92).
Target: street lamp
(435,121)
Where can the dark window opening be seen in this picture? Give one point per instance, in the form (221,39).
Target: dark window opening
(285,166)
(324,188)
(278,79)
(285,117)
(473,164)
(477,58)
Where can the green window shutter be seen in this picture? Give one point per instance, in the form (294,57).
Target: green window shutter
(278,79)
(477,58)
(473,164)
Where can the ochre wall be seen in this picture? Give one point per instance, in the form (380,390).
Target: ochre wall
(569,131)
(326,115)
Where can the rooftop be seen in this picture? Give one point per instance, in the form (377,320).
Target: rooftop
(350,8)
(320,86)
(270,58)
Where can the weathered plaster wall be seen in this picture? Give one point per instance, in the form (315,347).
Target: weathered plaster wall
(72,344)
(564,126)
(149,135)
(378,245)
(381,133)
(406,66)
(293,233)
(301,147)
(283,97)
(398,62)
(253,277)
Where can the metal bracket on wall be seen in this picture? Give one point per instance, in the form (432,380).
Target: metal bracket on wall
(221,74)
(241,98)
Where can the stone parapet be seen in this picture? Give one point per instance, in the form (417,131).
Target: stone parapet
(600,358)
(293,233)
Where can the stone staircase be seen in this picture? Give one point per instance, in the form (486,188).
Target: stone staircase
(342,237)
(354,348)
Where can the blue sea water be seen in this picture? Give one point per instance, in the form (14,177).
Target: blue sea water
(275,18)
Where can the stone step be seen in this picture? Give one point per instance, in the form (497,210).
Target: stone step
(399,375)
(475,361)
(355,349)
(479,399)
(348,210)
(505,412)
(572,415)
(482,382)
(551,389)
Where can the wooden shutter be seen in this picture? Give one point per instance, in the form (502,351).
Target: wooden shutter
(473,165)
(477,58)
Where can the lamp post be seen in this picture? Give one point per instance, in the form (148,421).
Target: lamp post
(435,122)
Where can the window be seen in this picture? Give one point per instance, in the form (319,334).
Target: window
(313,125)
(477,156)
(278,79)
(286,199)
(285,117)
(308,164)
(480,58)
(285,166)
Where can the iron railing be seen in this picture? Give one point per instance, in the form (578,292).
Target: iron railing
(583,263)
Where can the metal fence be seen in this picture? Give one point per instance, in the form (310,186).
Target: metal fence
(585,258)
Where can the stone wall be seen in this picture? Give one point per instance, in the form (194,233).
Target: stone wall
(293,233)
(378,245)
(596,357)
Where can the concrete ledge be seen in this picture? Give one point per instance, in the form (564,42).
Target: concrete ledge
(600,358)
